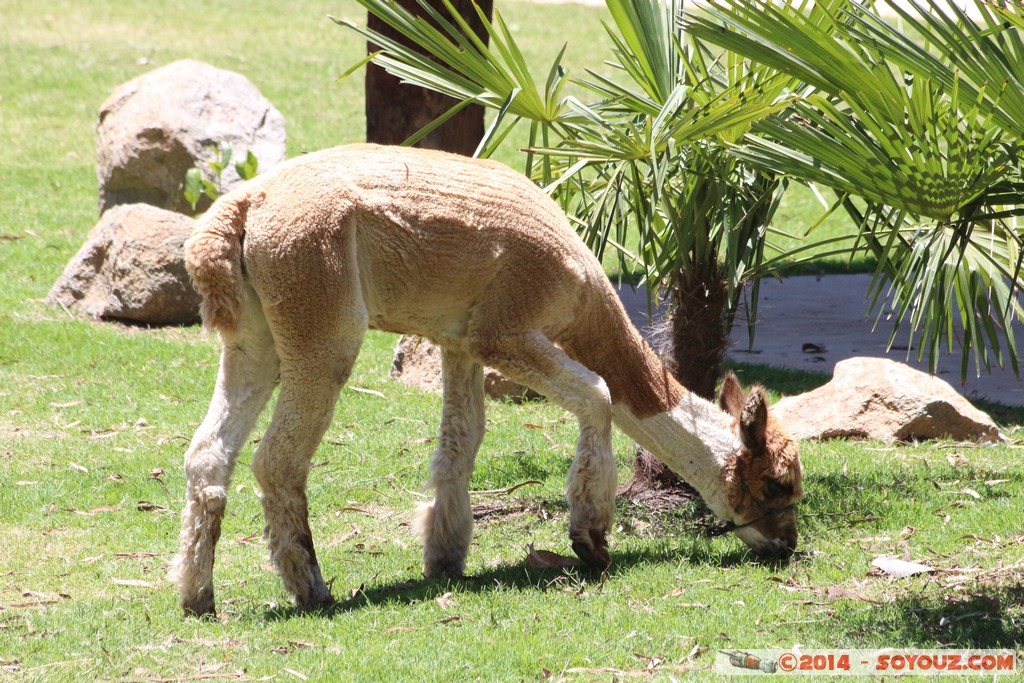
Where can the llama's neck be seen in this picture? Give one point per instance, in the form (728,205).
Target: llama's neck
(689,434)
(605,340)
(694,438)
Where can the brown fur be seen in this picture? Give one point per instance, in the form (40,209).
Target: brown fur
(766,473)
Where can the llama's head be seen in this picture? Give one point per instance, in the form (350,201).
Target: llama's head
(763,477)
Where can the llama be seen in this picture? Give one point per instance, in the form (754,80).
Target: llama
(295,265)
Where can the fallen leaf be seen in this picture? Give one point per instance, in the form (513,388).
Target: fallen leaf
(371,392)
(352,509)
(102,435)
(675,593)
(839,592)
(146,506)
(157,473)
(652,662)
(78,467)
(545,559)
(66,405)
(972,493)
(444,600)
(899,568)
(975,537)
(507,490)
(993,482)
(956,459)
(400,629)
(449,620)
(96,510)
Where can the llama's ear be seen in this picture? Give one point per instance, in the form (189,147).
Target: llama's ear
(754,421)
(731,398)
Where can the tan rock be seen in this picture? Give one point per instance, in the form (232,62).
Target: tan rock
(876,398)
(417,363)
(132,268)
(156,127)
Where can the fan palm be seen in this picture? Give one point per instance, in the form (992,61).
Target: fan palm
(678,162)
(924,133)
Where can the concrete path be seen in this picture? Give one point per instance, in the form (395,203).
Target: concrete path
(812,322)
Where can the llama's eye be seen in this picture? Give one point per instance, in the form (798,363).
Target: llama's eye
(776,489)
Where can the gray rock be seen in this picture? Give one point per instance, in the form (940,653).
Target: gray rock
(417,363)
(876,398)
(132,268)
(154,128)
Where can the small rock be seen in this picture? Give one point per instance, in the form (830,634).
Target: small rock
(132,268)
(417,363)
(876,398)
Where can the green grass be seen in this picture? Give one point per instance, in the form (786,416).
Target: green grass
(94,419)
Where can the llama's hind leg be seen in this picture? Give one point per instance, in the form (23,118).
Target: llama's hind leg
(530,358)
(446,524)
(313,370)
(248,373)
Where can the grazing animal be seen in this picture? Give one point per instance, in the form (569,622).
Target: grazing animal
(295,265)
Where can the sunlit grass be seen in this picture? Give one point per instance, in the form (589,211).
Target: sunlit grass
(95,418)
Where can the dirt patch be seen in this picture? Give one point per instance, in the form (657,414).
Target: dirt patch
(656,488)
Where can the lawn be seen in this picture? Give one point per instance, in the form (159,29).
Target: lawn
(95,417)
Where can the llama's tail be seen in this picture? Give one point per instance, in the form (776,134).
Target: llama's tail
(213,257)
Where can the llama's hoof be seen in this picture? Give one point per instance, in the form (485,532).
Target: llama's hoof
(444,570)
(202,606)
(316,605)
(316,596)
(594,557)
(592,549)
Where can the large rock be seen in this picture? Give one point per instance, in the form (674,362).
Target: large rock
(881,399)
(132,268)
(154,128)
(417,363)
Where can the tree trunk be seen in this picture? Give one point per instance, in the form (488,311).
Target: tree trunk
(699,337)
(394,111)
(699,341)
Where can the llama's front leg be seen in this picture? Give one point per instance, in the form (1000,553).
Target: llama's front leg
(247,375)
(592,487)
(530,358)
(446,524)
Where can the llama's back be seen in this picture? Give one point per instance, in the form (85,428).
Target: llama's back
(442,246)
(436,236)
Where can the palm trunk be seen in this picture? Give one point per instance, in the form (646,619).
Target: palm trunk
(699,334)
(394,111)
(699,341)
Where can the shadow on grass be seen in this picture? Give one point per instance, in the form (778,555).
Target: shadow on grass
(516,577)
(992,617)
(778,380)
(984,614)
